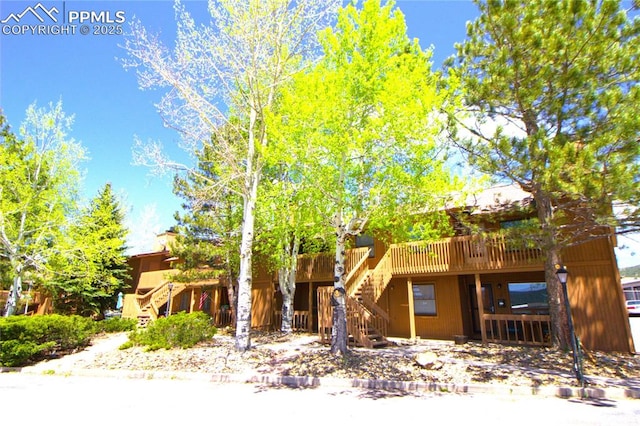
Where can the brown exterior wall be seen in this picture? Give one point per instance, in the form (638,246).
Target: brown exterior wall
(596,296)
(262,304)
(448,320)
(146,263)
(597,301)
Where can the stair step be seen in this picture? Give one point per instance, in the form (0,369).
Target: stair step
(143,320)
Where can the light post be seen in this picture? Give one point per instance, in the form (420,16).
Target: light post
(168,312)
(563,274)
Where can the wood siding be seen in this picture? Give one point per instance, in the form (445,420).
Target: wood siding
(597,301)
(448,320)
(262,306)
(596,297)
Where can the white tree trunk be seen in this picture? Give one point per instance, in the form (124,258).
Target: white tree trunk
(14,295)
(288,292)
(287,282)
(245,278)
(339,334)
(243,315)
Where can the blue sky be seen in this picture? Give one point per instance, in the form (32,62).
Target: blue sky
(110,110)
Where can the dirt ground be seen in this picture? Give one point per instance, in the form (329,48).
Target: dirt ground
(404,360)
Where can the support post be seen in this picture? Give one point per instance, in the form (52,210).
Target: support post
(412,313)
(480,299)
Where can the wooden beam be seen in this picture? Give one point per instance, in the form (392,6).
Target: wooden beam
(310,311)
(215,305)
(412,313)
(480,300)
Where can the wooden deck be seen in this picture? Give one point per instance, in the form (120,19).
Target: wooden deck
(320,267)
(454,255)
(463,255)
(450,256)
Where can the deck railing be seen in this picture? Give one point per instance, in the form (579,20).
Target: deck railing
(299,322)
(378,279)
(154,299)
(456,254)
(518,329)
(320,267)
(461,254)
(223,317)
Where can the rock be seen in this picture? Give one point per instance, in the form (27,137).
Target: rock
(428,360)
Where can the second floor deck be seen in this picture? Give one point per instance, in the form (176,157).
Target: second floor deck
(448,255)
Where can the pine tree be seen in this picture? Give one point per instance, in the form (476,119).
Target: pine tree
(97,268)
(552,89)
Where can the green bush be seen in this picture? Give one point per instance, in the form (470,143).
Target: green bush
(179,330)
(116,325)
(27,339)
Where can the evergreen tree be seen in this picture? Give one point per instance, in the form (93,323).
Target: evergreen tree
(552,89)
(97,268)
(209,232)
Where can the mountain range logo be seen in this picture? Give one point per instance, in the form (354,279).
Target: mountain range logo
(38,11)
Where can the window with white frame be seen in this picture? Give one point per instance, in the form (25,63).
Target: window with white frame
(424,299)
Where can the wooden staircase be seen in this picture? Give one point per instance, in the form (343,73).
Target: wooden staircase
(367,323)
(150,303)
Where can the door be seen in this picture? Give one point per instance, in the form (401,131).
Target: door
(487,301)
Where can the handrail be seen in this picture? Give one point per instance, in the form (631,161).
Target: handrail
(157,297)
(523,329)
(360,321)
(359,270)
(460,254)
(357,319)
(376,310)
(379,278)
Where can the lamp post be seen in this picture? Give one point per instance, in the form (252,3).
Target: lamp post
(563,274)
(168,312)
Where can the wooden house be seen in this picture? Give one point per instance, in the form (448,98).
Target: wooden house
(466,286)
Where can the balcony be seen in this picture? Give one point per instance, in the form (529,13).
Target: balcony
(320,267)
(463,255)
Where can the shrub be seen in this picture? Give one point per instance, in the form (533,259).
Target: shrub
(26,339)
(116,325)
(179,330)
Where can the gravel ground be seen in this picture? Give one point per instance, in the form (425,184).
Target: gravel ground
(404,360)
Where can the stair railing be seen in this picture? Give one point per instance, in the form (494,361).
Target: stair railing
(154,299)
(358,319)
(380,278)
(358,273)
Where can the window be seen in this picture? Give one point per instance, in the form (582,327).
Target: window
(424,299)
(365,241)
(185,301)
(519,224)
(529,298)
